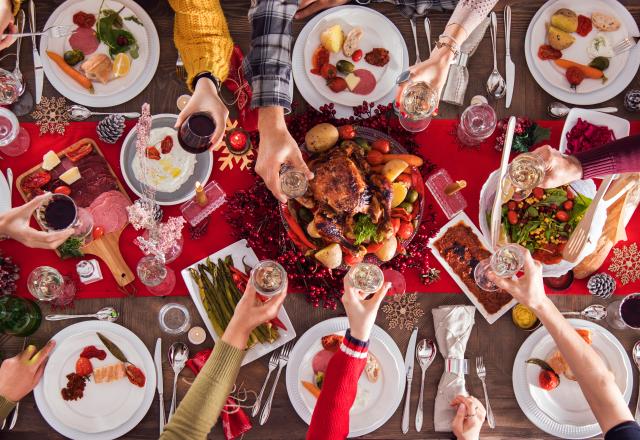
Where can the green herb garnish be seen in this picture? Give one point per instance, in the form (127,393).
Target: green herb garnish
(113,348)
(111,32)
(364,230)
(71,248)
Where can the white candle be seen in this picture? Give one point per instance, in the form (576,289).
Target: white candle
(197,335)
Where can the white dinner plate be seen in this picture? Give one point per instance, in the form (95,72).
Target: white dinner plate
(377,32)
(118,90)
(375,402)
(5,194)
(301,75)
(239,251)
(551,78)
(564,411)
(201,172)
(620,126)
(107,410)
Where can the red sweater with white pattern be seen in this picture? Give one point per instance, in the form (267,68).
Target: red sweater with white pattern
(330,420)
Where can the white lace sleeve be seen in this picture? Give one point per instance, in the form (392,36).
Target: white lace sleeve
(469,13)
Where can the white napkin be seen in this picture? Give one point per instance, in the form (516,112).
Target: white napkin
(453,326)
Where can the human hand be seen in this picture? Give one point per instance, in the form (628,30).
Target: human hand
(360,311)
(6,23)
(529,288)
(20,374)
(560,169)
(250,312)
(15,224)
(307,8)
(469,418)
(205,99)
(277,148)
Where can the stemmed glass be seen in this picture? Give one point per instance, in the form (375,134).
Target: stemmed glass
(505,263)
(195,133)
(48,285)
(158,278)
(268,278)
(417,104)
(366,277)
(477,123)
(293,182)
(58,213)
(526,171)
(10,87)
(14,139)
(625,313)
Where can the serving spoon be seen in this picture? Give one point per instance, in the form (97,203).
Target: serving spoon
(178,355)
(425,354)
(559,110)
(80,113)
(596,312)
(104,314)
(635,353)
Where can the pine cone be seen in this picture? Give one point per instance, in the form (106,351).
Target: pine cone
(601,285)
(632,100)
(111,128)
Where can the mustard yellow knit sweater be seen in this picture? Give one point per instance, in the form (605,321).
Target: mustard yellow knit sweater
(202,37)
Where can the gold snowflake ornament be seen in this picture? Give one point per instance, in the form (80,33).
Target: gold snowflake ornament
(625,263)
(402,311)
(226,158)
(51,115)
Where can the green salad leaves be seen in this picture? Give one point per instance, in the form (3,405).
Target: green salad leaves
(110,30)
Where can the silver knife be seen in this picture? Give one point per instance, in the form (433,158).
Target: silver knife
(157,358)
(496,212)
(10,183)
(509,66)
(409,359)
(37,64)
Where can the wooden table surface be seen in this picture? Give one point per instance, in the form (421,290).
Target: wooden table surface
(498,343)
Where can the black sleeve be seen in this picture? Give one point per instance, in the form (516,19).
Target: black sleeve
(624,431)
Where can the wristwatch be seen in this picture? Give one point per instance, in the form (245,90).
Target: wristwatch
(216,82)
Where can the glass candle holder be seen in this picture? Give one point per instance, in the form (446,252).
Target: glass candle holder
(174,319)
(440,184)
(197,209)
(158,278)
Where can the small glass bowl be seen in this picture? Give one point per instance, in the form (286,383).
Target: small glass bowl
(174,319)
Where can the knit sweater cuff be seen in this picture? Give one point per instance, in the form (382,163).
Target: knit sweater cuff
(596,163)
(354,347)
(196,64)
(6,406)
(225,360)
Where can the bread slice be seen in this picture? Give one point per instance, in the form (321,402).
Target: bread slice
(352,41)
(604,22)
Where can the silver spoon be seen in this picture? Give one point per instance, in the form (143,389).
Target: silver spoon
(178,355)
(596,312)
(496,85)
(636,358)
(425,354)
(104,314)
(20,19)
(80,113)
(559,110)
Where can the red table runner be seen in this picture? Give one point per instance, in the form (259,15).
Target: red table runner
(437,144)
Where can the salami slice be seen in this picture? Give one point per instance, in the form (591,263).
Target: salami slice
(85,40)
(367,82)
(109,211)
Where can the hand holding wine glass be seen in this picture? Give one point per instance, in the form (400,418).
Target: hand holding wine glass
(560,169)
(529,288)
(361,311)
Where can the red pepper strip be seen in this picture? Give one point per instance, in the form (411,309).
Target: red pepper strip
(401,214)
(238,272)
(277,323)
(297,230)
(416,181)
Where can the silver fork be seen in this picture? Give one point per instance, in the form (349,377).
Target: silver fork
(273,363)
(58,31)
(415,38)
(282,362)
(14,419)
(482,374)
(181,72)
(623,46)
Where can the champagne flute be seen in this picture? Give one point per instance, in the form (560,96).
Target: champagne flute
(526,171)
(416,106)
(505,263)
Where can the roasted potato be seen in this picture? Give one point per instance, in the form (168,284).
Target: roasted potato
(393,169)
(388,249)
(565,20)
(330,256)
(321,137)
(559,39)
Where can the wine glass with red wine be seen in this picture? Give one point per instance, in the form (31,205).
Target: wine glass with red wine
(625,313)
(195,133)
(59,212)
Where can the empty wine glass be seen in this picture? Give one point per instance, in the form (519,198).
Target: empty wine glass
(505,263)
(158,278)
(14,139)
(10,87)
(477,123)
(48,285)
(416,106)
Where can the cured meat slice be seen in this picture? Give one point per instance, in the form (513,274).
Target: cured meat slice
(85,40)
(109,211)
(321,360)
(367,82)
(109,373)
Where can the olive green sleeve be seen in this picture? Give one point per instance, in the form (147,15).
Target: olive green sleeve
(5,407)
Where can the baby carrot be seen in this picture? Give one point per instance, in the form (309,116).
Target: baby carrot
(311,388)
(411,159)
(589,72)
(73,73)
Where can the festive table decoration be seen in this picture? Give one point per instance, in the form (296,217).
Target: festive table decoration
(601,285)
(625,263)
(237,150)
(632,100)
(402,311)
(9,274)
(111,128)
(528,134)
(51,115)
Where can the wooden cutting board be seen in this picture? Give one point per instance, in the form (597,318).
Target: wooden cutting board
(106,247)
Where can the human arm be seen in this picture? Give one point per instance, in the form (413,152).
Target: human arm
(341,378)
(201,406)
(20,374)
(15,224)
(596,381)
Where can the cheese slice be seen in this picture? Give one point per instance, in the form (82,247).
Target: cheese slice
(352,81)
(50,161)
(70,176)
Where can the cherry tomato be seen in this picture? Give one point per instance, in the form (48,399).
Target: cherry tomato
(98,231)
(538,193)
(357,55)
(584,25)
(512,205)
(166,145)
(568,205)
(406,179)
(512,216)
(347,132)
(548,380)
(546,52)
(395,223)
(382,145)
(62,189)
(562,216)
(337,84)
(153,153)
(351,260)
(135,375)
(570,194)
(83,366)
(406,230)
(575,76)
(328,71)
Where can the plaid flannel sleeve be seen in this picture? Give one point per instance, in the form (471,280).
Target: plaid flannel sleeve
(268,65)
(418,8)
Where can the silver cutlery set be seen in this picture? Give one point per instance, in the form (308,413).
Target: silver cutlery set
(281,361)
(497,86)
(178,355)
